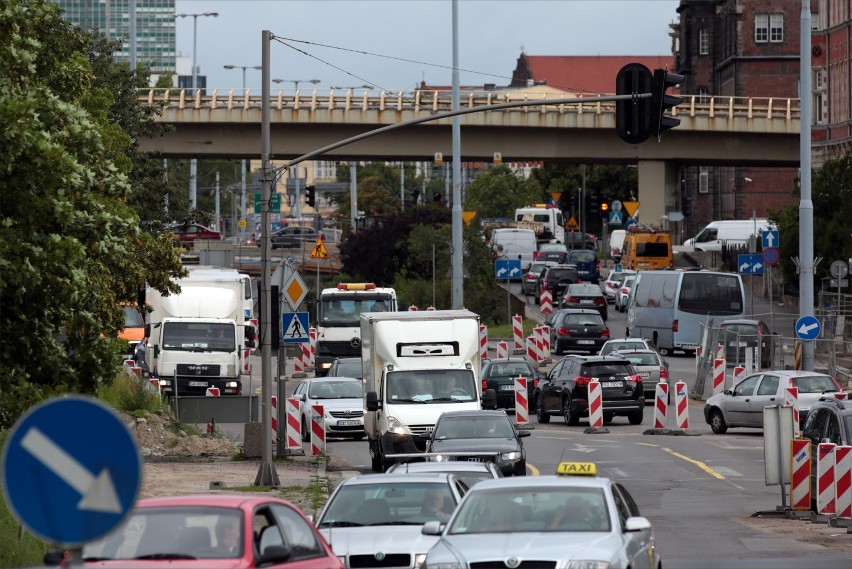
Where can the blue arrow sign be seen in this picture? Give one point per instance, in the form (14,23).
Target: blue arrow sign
(616,217)
(71,470)
(750,264)
(507,269)
(808,328)
(294,328)
(770,238)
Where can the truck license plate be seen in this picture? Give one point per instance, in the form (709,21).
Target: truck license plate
(198,384)
(348,423)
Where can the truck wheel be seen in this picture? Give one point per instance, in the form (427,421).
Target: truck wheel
(376,462)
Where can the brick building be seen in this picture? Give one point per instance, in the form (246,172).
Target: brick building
(831,65)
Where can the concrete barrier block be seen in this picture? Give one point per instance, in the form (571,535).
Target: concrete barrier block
(253,440)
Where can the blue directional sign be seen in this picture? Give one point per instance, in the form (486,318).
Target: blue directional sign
(507,269)
(618,268)
(770,238)
(71,470)
(616,217)
(750,264)
(294,328)
(808,328)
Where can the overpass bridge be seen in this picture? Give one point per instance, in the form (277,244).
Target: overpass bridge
(723,131)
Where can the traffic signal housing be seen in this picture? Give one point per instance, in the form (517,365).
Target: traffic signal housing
(604,206)
(633,117)
(662,102)
(311,196)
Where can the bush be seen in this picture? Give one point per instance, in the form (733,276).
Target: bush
(130,394)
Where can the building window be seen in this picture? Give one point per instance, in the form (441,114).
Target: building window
(325,170)
(703,180)
(761,28)
(818,112)
(818,79)
(776,28)
(703,41)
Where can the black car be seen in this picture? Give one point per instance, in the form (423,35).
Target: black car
(577,329)
(829,420)
(556,279)
(586,295)
(500,375)
(565,391)
(293,236)
(346,367)
(480,436)
(531,274)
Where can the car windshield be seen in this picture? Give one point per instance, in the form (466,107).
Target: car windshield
(388,504)
(427,386)
(814,384)
(642,359)
(539,509)
(344,310)
(329,389)
(474,428)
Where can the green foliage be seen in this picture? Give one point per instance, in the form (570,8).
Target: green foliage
(130,394)
(498,192)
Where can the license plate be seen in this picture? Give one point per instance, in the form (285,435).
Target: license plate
(611,384)
(690,347)
(644,374)
(584,342)
(587,301)
(476,459)
(198,384)
(348,423)
(507,388)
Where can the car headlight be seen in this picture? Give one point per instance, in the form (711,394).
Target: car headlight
(396,427)
(510,455)
(419,560)
(588,564)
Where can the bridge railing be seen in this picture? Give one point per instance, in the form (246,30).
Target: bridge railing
(438,101)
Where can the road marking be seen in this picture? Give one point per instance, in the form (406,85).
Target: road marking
(647,444)
(618,472)
(535,471)
(733,447)
(697,463)
(727,471)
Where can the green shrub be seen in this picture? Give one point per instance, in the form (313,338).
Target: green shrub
(130,394)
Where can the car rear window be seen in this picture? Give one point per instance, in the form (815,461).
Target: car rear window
(740,329)
(558,274)
(509,369)
(582,256)
(584,319)
(605,369)
(585,289)
(814,384)
(642,359)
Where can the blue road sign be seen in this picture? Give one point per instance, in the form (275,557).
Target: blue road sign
(294,328)
(71,470)
(771,256)
(629,222)
(750,264)
(618,268)
(770,238)
(507,269)
(616,217)
(808,328)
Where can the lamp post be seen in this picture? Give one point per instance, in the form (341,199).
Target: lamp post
(335,88)
(193,163)
(243,67)
(296,81)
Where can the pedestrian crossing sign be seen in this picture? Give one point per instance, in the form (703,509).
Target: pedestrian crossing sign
(319,250)
(294,326)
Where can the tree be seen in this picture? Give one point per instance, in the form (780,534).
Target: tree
(71,248)
(497,192)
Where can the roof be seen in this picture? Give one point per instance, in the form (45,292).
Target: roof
(474,413)
(444,466)
(581,73)
(395,478)
(521,482)
(210,500)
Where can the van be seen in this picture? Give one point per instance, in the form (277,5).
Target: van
(616,243)
(514,244)
(731,232)
(647,249)
(550,218)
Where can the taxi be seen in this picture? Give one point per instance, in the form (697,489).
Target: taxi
(571,520)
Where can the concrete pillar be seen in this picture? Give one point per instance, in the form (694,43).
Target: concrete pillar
(658,182)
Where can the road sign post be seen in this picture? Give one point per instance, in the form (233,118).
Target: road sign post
(508,269)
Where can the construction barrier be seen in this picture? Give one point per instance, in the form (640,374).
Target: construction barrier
(518,331)
(539,343)
(546,302)
(681,406)
(274,421)
(502,350)
(522,404)
(312,334)
(843,474)
(800,474)
(483,342)
(306,355)
(825,483)
(595,404)
(791,399)
(211,426)
(317,430)
(739,373)
(412,308)
(545,334)
(298,366)
(661,404)
(720,351)
(294,424)
(154,385)
(718,376)
(532,350)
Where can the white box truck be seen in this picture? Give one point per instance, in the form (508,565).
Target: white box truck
(733,232)
(201,336)
(416,366)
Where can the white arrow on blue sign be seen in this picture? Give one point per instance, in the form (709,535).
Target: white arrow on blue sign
(750,264)
(507,269)
(770,238)
(71,470)
(808,328)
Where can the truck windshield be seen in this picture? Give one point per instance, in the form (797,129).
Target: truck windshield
(344,310)
(199,336)
(431,386)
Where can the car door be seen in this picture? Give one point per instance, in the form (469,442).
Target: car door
(738,403)
(550,391)
(767,394)
(638,544)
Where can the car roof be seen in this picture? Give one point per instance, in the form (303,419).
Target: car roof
(595,358)
(521,482)
(637,351)
(212,500)
(475,413)
(395,478)
(346,360)
(332,378)
(577,311)
(454,465)
(842,405)
(506,360)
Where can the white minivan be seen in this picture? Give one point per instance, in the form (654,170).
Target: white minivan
(731,232)
(616,243)
(508,243)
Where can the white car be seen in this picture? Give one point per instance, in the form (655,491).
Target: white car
(342,399)
(613,283)
(546,521)
(623,293)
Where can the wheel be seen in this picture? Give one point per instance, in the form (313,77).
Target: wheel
(664,351)
(636,417)
(571,418)
(608,417)
(717,422)
(306,436)
(539,412)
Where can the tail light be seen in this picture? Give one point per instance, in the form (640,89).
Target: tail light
(840,395)
(625,290)
(563,332)
(674,325)
(570,299)
(582,380)
(599,301)
(598,267)
(605,333)
(634,378)
(484,385)
(664,372)
(536,254)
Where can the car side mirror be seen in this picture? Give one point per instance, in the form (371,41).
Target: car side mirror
(432,527)
(728,392)
(542,375)
(372,400)
(523,433)
(274,554)
(637,523)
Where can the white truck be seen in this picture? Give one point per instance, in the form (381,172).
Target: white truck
(201,336)
(416,366)
(550,216)
(338,319)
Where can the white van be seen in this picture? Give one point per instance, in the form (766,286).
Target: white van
(550,218)
(616,243)
(730,232)
(512,244)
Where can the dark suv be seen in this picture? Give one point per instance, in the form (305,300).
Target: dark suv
(829,421)
(565,391)
(556,279)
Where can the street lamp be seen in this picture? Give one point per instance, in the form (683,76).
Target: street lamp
(296,81)
(243,67)
(350,88)
(243,162)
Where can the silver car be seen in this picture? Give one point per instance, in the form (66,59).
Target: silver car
(743,405)
(619,344)
(613,283)
(651,367)
(342,399)
(546,521)
(469,472)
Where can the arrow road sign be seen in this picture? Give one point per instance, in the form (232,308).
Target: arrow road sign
(295,328)
(507,269)
(808,328)
(71,470)
(770,238)
(750,264)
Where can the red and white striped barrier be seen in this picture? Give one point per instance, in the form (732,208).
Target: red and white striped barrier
(532,350)
(843,474)
(154,385)
(791,399)
(661,404)
(317,430)
(522,404)
(412,308)
(483,342)
(718,376)
(131,367)
(546,302)
(720,351)
(298,365)
(539,342)
(800,474)
(595,404)
(212,392)
(739,373)
(545,335)
(294,424)
(518,331)
(312,335)
(274,421)
(306,355)
(502,350)
(825,483)
(681,406)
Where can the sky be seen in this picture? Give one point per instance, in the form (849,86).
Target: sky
(396,44)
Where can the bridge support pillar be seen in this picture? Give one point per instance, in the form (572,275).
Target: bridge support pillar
(658,182)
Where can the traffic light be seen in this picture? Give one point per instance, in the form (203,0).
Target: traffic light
(594,203)
(311,196)
(633,116)
(604,207)
(686,204)
(661,102)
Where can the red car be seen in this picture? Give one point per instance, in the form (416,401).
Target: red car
(213,531)
(194,231)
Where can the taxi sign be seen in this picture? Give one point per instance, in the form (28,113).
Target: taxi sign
(577,469)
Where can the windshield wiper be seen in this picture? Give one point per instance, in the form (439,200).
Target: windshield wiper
(166,556)
(411,400)
(340,524)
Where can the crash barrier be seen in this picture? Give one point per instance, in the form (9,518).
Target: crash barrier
(800,474)
(518,331)
(294,425)
(720,351)
(274,421)
(681,406)
(791,399)
(312,335)
(825,483)
(595,404)
(483,342)
(661,404)
(131,367)
(532,350)
(545,335)
(211,425)
(546,302)
(502,350)
(739,373)
(843,475)
(718,376)
(317,430)
(298,366)
(154,385)
(522,405)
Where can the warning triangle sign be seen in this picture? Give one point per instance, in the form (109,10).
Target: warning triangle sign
(319,250)
(572,224)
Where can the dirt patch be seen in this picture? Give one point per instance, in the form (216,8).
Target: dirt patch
(804,531)
(158,436)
